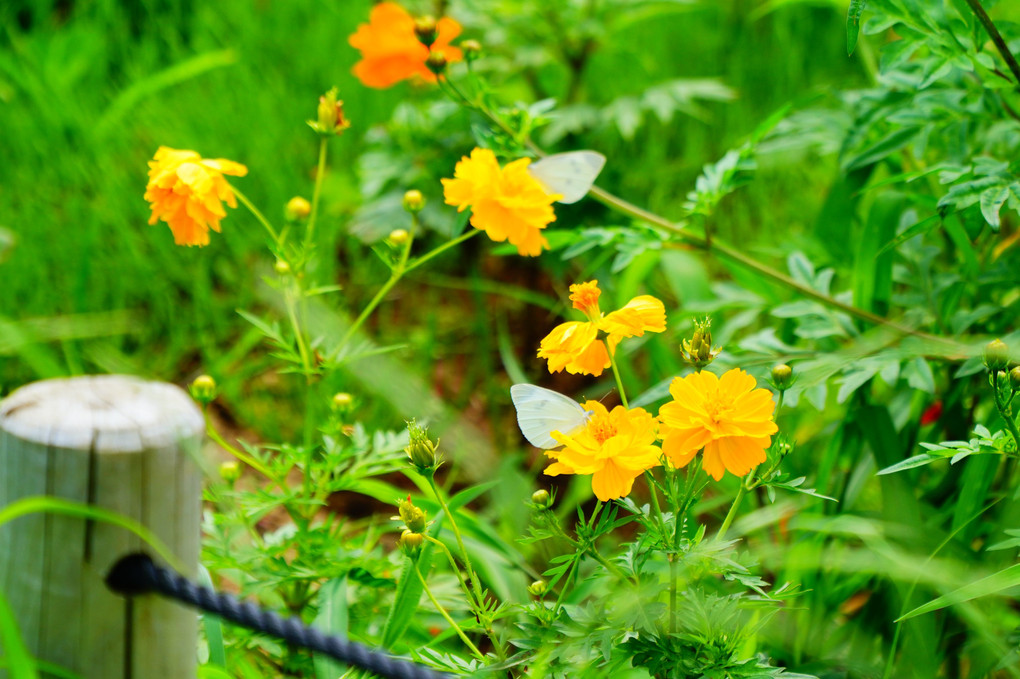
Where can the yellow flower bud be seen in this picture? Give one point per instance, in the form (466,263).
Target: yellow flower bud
(203,389)
(538,588)
(230,471)
(1014,378)
(996,355)
(436,62)
(414,201)
(413,517)
(425,30)
(411,543)
(398,237)
(297,208)
(540,498)
(342,401)
(282,267)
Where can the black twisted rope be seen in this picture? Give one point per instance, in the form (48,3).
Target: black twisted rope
(138,574)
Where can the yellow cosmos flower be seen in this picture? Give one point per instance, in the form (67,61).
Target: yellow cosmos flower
(507,203)
(725,415)
(615,447)
(186,191)
(576,347)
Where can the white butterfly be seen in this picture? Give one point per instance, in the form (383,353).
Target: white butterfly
(569,174)
(542,411)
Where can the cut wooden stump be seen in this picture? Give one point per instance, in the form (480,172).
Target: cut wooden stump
(121,444)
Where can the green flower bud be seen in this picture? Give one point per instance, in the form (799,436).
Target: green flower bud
(413,517)
(330,118)
(541,499)
(282,267)
(782,377)
(230,471)
(421,449)
(411,543)
(996,355)
(398,237)
(472,49)
(436,62)
(425,30)
(203,389)
(1014,378)
(342,401)
(538,588)
(698,350)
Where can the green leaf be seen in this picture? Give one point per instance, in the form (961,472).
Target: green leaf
(19,661)
(212,625)
(853,24)
(991,202)
(883,148)
(911,462)
(409,591)
(993,584)
(921,227)
(331,619)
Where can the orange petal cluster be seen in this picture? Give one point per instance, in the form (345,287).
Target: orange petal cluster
(727,416)
(390,51)
(576,347)
(615,447)
(507,203)
(187,192)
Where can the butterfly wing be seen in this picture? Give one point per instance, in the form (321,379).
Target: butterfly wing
(569,174)
(542,411)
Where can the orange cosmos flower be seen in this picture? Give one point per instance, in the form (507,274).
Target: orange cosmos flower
(507,203)
(725,415)
(185,190)
(391,52)
(614,447)
(576,346)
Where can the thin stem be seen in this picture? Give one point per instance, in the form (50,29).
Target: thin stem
(619,382)
(993,33)
(257,214)
(1006,412)
(367,311)
(472,577)
(317,191)
(733,511)
(455,567)
(441,249)
(211,432)
(442,612)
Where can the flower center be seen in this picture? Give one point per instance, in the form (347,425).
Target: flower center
(718,406)
(601,429)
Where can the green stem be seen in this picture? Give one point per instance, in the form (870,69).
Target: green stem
(1005,412)
(619,381)
(367,311)
(993,33)
(240,455)
(733,511)
(472,576)
(257,214)
(442,612)
(455,567)
(317,191)
(441,249)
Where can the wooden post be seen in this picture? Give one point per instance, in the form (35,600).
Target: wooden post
(122,444)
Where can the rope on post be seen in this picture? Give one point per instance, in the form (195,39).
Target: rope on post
(139,574)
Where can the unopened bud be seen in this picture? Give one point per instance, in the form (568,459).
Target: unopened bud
(421,449)
(541,499)
(414,201)
(398,237)
(472,49)
(230,471)
(436,62)
(996,355)
(425,30)
(411,543)
(282,267)
(297,208)
(342,401)
(1014,378)
(413,517)
(698,350)
(782,377)
(538,588)
(330,118)
(203,389)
